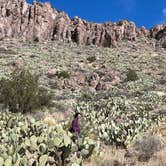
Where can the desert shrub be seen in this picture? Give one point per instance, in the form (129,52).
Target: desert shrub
(60,106)
(91,59)
(63,74)
(109,157)
(108,163)
(20,92)
(158,159)
(131,75)
(162,81)
(86,96)
(147,145)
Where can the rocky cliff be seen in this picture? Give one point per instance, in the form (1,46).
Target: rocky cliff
(40,22)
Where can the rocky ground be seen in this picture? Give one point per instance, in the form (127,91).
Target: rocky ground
(68,70)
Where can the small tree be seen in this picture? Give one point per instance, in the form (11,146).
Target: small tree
(20,92)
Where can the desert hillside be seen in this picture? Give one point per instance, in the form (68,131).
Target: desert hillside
(95,76)
(52,67)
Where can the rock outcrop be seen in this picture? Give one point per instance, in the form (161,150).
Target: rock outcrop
(40,22)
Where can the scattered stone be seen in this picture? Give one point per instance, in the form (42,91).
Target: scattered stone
(51,72)
(93,80)
(4,50)
(103,86)
(18,64)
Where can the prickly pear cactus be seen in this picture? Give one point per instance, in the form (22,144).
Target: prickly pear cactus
(25,141)
(117,120)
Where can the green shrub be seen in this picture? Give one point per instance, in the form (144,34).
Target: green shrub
(131,75)
(63,74)
(86,96)
(162,81)
(20,92)
(91,59)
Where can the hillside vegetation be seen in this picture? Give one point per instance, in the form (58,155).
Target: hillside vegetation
(120,93)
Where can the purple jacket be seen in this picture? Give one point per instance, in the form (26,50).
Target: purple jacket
(75,126)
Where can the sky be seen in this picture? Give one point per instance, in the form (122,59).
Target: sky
(146,13)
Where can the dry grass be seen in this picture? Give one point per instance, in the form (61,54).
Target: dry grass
(160,130)
(111,157)
(159,159)
(116,158)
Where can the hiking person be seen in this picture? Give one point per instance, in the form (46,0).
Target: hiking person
(75,126)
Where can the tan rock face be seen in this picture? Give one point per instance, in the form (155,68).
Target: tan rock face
(21,20)
(40,22)
(159,33)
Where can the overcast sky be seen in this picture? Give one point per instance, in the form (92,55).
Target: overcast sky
(146,13)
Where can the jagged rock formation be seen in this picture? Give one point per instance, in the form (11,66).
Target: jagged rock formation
(40,22)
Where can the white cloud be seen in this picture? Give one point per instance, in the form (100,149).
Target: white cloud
(164,12)
(163,19)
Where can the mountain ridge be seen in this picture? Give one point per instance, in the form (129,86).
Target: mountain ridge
(41,22)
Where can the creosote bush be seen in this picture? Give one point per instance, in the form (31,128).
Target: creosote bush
(91,59)
(20,92)
(131,75)
(63,74)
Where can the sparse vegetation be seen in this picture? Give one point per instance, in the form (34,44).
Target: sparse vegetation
(112,119)
(91,59)
(131,75)
(147,145)
(63,74)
